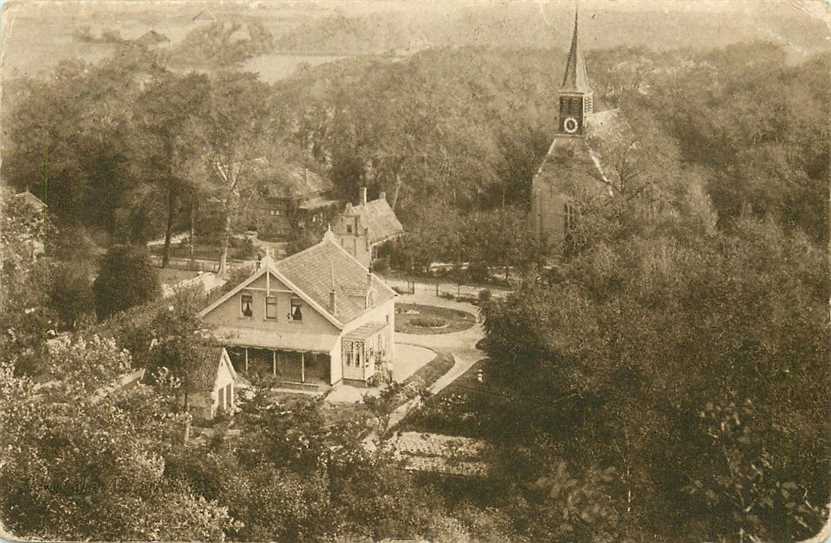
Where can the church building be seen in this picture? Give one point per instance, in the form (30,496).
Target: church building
(573,167)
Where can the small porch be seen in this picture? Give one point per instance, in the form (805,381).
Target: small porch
(364,350)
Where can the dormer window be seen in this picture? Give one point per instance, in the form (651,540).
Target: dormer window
(348,228)
(246,305)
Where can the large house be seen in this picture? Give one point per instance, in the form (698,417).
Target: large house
(574,165)
(363,228)
(316,317)
(290,196)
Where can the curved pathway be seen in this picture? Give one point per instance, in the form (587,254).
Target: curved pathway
(462,345)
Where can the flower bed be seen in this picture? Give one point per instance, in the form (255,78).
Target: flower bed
(428,319)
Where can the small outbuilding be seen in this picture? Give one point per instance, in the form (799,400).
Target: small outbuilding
(211,383)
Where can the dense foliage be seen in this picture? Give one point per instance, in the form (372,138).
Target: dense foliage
(127,278)
(690,360)
(80,463)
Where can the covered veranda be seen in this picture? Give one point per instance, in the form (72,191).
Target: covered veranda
(291,358)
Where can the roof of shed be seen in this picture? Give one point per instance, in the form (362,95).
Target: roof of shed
(204,373)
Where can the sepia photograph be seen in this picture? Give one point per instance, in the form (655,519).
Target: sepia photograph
(388,271)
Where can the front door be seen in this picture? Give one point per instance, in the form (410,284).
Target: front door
(353,360)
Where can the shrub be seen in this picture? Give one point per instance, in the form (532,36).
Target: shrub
(428,322)
(478,272)
(380,265)
(245,250)
(70,294)
(127,278)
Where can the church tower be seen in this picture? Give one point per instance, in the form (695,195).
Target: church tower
(572,168)
(576,97)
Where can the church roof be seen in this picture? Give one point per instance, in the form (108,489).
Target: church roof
(574,161)
(575,78)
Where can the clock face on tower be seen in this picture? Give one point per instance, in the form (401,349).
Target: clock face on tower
(570,125)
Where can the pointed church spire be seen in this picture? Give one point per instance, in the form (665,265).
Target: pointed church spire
(576,78)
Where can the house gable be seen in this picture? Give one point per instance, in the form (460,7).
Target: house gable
(226,309)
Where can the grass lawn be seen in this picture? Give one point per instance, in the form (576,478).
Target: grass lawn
(453,411)
(169,276)
(428,319)
(430,372)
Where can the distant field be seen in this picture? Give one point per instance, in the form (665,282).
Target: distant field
(279,66)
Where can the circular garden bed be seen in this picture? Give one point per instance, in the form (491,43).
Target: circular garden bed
(428,319)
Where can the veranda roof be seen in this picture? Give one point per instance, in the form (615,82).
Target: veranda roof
(273,340)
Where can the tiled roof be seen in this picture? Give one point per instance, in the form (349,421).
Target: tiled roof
(291,180)
(316,269)
(364,331)
(379,218)
(314,272)
(317,202)
(203,375)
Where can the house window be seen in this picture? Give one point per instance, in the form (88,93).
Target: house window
(348,228)
(247,305)
(347,348)
(271,307)
(296,311)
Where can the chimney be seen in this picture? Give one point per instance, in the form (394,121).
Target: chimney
(382,195)
(332,303)
(363,196)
